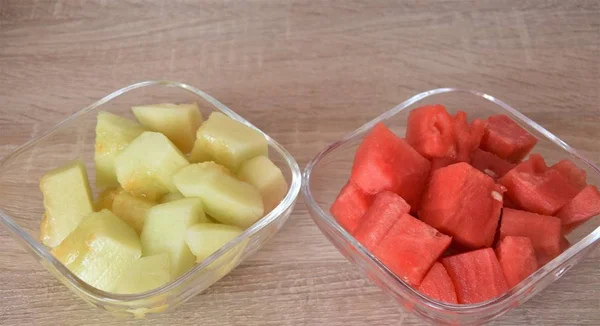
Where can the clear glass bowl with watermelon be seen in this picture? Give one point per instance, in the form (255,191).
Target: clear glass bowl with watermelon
(456,205)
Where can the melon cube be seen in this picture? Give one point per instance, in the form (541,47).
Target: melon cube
(267,178)
(178,122)
(145,274)
(67,200)
(430,130)
(576,176)
(468,136)
(113,134)
(438,285)
(172,196)
(100,250)
(106,198)
(507,139)
(581,208)
(349,206)
(131,209)
(204,239)
(145,167)
(517,259)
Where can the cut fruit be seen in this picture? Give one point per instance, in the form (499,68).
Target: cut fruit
(507,139)
(517,258)
(543,231)
(145,167)
(410,248)
(100,250)
(229,142)
(132,209)
(386,210)
(536,188)
(67,200)
(581,208)
(178,122)
(113,134)
(437,285)
(468,136)
(576,176)
(204,239)
(430,130)
(267,178)
(106,198)
(490,164)
(385,162)
(172,196)
(463,203)
(225,198)
(164,232)
(349,206)
(476,275)
(145,274)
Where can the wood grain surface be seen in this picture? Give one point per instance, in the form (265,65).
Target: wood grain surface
(308,71)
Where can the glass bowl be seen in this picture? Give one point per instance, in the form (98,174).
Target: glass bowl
(325,175)
(21,206)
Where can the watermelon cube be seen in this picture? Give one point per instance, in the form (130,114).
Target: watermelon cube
(385,162)
(463,203)
(349,206)
(437,285)
(536,188)
(410,248)
(506,138)
(581,208)
(430,130)
(575,175)
(490,164)
(476,275)
(517,259)
(543,231)
(468,136)
(386,210)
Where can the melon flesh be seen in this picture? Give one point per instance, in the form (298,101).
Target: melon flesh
(517,258)
(145,274)
(349,206)
(131,209)
(204,239)
(106,198)
(437,285)
(263,174)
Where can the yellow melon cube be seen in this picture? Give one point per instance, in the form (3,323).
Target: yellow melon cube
(106,198)
(263,174)
(145,274)
(132,209)
(204,239)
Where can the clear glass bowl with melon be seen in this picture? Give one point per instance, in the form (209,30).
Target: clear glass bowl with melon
(413,262)
(123,201)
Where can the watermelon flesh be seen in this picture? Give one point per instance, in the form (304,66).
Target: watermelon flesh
(463,203)
(386,210)
(576,176)
(507,139)
(476,275)
(350,205)
(517,259)
(468,136)
(581,208)
(385,162)
(536,188)
(490,164)
(430,130)
(437,285)
(410,248)
(543,231)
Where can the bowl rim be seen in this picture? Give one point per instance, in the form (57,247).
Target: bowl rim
(590,240)
(92,294)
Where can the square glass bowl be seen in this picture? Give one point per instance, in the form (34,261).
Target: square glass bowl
(325,175)
(21,207)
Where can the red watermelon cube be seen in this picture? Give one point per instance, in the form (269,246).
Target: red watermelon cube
(349,206)
(410,248)
(437,285)
(464,203)
(543,231)
(581,208)
(490,164)
(506,138)
(386,210)
(468,136)
(385,162)
(536,188)
(576,176)
(476,275)
(517,259)
(430,130)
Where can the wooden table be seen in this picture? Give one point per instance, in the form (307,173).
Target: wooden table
(308,71)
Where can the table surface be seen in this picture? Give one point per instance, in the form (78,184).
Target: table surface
(311,71)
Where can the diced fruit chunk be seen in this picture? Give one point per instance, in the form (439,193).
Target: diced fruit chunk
(145,167)
(543,231)
(204,239)
(575,175)
(490,164)
(132,209)
(430,130)
(437,285)
(581,208)
(67,200)
(468,136)
(517,259)
(463,203)
(145,274)
(178,122)
(476,275)
(106,198)
(100,250)
(113,134)
(230,142)
(172,196)
(507,139)
(385,162)
(536,188)
(349,206)
(263,174)
(386,210)
(225,198)
(164,232)
(410,248)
